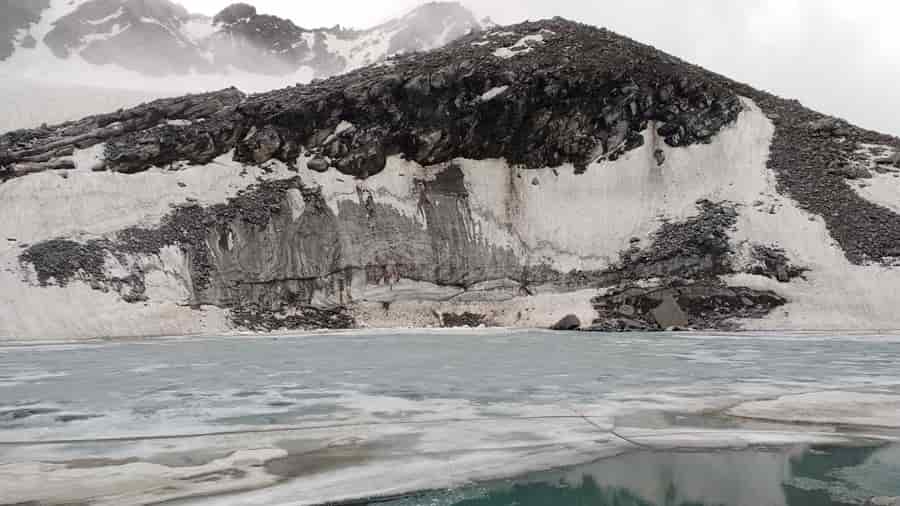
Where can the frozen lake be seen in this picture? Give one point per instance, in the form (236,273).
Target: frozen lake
(330,417)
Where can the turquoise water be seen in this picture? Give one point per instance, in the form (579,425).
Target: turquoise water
(782,477)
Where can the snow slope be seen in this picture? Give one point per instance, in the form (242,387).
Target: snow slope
(89,204)
(594,216)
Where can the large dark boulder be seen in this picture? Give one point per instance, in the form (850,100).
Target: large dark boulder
(570,322)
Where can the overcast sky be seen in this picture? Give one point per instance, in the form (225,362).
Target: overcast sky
(840,57)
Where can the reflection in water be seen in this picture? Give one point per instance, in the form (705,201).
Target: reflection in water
(786,477)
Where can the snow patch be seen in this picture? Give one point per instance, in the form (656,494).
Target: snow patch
(834,294)
(103,20)
(90,159)
(359,52)
(882,189)
(114,31)
(493,93)
(524,45)
(44,206)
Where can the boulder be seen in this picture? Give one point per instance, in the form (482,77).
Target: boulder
(259,146)
(660,157)
(833,126)
(318,164)
(570,322)
(669,314)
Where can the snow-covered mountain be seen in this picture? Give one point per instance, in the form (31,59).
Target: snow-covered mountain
(160,38)
(514,177)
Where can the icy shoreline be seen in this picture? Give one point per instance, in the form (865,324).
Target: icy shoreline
(869,335)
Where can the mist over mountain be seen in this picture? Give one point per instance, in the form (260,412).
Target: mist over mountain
(89,56)
(159,38)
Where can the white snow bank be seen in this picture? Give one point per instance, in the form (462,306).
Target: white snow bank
(834,294)
(882,189)
(80,312)
(89,159)
(86,205)
(835,407)
(583,222)
(45,205)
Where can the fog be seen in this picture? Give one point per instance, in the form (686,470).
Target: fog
(838,57)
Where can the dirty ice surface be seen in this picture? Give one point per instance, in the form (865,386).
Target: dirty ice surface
(340,416)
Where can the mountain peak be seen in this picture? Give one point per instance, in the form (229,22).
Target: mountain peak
(444,8)
(161,38)
(234,13)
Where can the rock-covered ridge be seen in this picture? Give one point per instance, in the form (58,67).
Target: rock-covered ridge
(566,95)
(533,108)
(161,125)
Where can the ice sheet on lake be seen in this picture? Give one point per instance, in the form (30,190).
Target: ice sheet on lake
(353,414)
(850,408)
